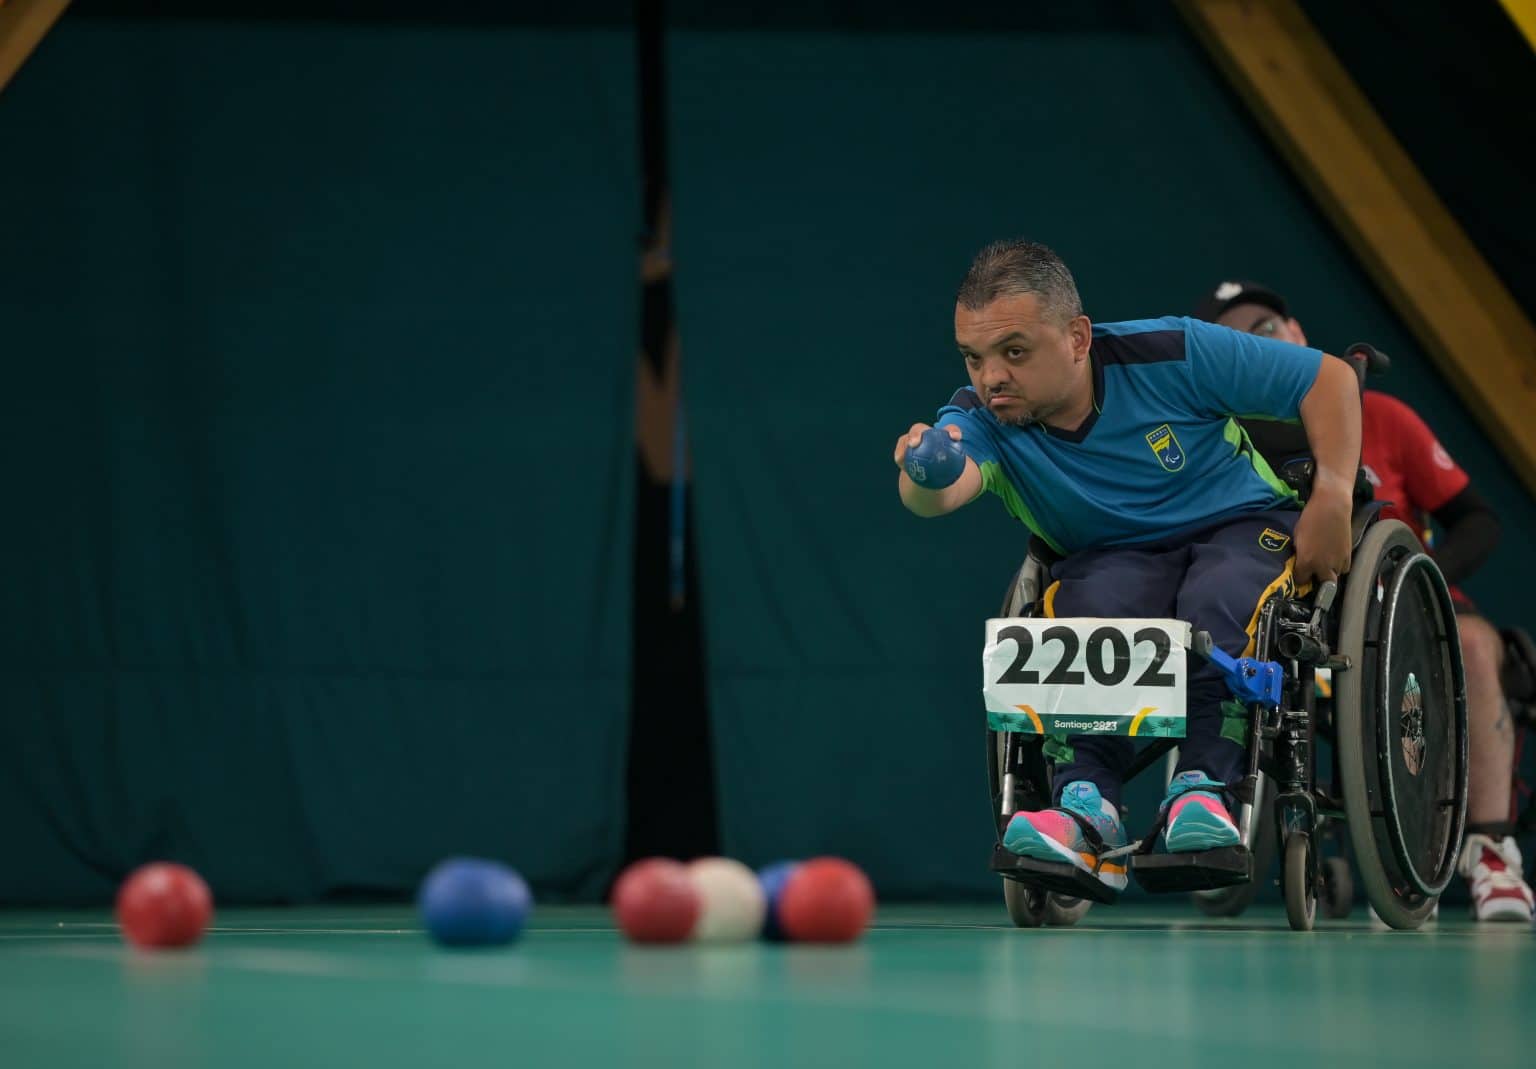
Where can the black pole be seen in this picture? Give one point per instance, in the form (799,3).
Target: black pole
(671,786)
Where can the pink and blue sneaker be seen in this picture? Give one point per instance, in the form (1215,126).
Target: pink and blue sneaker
(1197,817)
(1058,834)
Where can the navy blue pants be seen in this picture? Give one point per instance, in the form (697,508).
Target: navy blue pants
(1216,579)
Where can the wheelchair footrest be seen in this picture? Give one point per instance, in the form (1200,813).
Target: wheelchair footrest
(1055,876)
(1206,870)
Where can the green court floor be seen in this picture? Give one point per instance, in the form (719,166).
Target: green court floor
(949,987)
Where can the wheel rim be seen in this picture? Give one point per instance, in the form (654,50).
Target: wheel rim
(1396,901)
(1026,905)
(1420,726)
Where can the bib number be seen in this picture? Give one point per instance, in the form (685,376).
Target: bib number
(1086,676)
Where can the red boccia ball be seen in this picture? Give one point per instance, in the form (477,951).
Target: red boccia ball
(827,900)
(655,901)
(164,905)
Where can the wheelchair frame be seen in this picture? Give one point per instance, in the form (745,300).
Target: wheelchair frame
(1355,641)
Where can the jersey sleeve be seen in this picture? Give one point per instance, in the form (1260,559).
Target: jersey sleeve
(1237,374)
(1429,474)
(976,438)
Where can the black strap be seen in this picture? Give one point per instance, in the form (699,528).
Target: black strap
(1160,821)
(1090,833)
(1243,792)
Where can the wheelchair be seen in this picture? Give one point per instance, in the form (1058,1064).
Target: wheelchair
(1337,892)
(1398,718)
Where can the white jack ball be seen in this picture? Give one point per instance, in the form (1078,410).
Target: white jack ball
(733,901)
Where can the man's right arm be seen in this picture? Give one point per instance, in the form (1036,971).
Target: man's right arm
(924,502)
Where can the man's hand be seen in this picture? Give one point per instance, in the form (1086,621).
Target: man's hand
(922,501)
(911,439)
(1323,538)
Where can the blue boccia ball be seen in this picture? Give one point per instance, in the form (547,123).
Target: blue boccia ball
(936,461)
(469,901)
(773,878)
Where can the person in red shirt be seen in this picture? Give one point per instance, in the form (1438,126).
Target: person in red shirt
(1411,470)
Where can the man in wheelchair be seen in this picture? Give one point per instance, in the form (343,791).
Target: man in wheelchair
(1118,446)
(1417,479)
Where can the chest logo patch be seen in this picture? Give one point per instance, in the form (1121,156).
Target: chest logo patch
(1166,447)
(1273,540)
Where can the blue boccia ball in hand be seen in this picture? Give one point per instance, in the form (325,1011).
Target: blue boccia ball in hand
(773,878)
(936,461)
(469,901)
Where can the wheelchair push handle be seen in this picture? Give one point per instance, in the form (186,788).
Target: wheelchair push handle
(1367,360)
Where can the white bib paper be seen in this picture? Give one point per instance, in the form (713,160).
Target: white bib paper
(1086,676)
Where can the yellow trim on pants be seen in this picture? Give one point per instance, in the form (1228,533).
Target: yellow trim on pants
(1284,582)
(1050,599)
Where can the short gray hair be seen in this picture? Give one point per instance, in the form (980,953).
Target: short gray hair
(1013,267)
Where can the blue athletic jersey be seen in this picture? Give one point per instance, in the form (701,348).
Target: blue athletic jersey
(1161,451)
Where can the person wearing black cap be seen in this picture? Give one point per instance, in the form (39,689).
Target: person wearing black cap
(1412,471)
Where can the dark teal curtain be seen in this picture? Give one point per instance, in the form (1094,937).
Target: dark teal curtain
(317,344)
(830,189)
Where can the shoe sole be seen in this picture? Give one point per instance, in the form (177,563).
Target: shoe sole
(1513,914)
(1024,839)
(1199,829)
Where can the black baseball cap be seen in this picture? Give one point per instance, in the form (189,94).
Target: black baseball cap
(1233,292)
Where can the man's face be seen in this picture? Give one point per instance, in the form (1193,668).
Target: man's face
(1264,321)
(1025,366)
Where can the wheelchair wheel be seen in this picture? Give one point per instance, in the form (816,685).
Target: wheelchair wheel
(1226,901)
(1338,888)
(1063,912)
(1298,877)
(1233,901)
(1401,718)
(1026,905)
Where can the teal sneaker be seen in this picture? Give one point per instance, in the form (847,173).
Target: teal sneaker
(1054,835)
(1197,817)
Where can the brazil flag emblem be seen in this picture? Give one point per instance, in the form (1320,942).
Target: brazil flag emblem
(1274,540)
(1169,453)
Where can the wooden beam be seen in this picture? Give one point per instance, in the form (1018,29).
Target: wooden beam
(23,23)
(1523,14)
(1368,187)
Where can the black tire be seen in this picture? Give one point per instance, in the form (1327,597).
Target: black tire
(1026,905)
(1233,901)
(1297,879)
(1064,912)
(1226,901)
(1404,829)
(1338,888)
